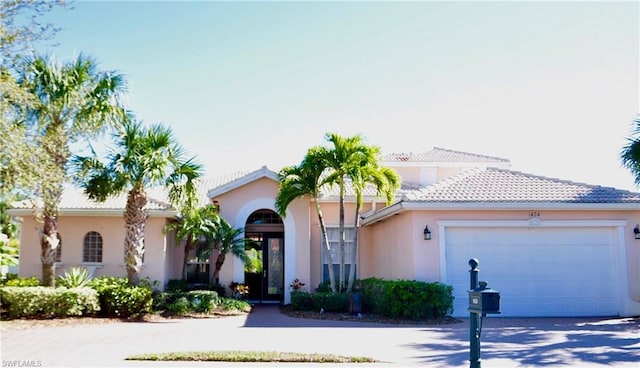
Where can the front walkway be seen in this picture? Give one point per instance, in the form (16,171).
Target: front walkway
(506,342)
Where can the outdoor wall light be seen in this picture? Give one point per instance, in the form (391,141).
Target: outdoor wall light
(636,231)
(427,233)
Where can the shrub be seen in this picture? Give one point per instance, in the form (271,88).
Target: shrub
(180,303)
(119,299)
(180,306)
(324,287)
(41,301)
(219,289)
(301,300)
(203,301)
(74,277)
(22,281)
(395,299)
(330,302)
(230,304)
(4,277)
(414,300)
(176,285)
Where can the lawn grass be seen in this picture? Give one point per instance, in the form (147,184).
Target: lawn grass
(251,357)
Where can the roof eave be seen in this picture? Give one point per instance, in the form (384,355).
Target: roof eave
(403,206)
(264,172)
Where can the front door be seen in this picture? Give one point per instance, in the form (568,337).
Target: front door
(264,273)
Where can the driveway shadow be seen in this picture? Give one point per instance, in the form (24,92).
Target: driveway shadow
(540,341)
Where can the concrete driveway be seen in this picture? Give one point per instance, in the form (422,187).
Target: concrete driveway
(506,342)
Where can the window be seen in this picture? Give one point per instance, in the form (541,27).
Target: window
(198,264)
(333,234)
(264,217)
(92,247)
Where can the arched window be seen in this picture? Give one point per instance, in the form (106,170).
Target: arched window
(92,247)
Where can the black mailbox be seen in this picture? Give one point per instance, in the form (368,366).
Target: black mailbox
(484,300)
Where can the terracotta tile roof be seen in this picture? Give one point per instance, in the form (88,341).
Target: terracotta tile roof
(74,198)
(439,155)
(238,179)
(507,186)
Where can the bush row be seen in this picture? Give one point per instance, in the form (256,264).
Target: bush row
(107,296)
(119,299)
(407,299)
(46,302)
(180,301)
(402,299)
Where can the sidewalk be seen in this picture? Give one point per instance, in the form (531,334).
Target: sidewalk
(506,342)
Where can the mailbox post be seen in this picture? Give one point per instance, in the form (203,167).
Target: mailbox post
(482,301)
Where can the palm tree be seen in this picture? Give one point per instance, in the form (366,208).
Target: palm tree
(346,154)
(385,180)
(71,101)
(145,158)
(227,239)
(304,180)
(195,226)
(630,154)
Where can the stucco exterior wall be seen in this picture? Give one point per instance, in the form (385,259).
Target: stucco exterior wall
(331,215)
(230,204)
(73,230)
(396,248)
(174,258)
(238,204)
(389,250)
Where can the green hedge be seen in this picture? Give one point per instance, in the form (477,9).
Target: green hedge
(196,301)
(119,299)
(41,301)
(402,299)
(12,279)
(407,299)
(328,301)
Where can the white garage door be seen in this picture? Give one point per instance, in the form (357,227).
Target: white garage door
(538,271)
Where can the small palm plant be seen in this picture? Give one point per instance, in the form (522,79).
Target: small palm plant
(75,277)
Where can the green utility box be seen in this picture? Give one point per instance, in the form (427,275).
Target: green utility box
(484,300)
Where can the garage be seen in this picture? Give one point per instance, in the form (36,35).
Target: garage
(540,271)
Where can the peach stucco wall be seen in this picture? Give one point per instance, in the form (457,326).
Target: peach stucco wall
(238,204)
(387,249)
(395,247)
(331,215)
(73,229)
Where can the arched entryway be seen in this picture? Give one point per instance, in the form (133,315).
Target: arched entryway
(264,272)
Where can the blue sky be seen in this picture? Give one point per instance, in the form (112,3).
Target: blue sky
(552,86)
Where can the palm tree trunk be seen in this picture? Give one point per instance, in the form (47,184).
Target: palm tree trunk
(219,262)
(354,259)
(57,153)
(342,255)
(49,242)
(135,219)
(327,247)
(185,261)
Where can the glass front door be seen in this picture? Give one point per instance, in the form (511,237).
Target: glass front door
(264,273)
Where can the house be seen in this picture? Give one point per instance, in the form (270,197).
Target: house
(551,247)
